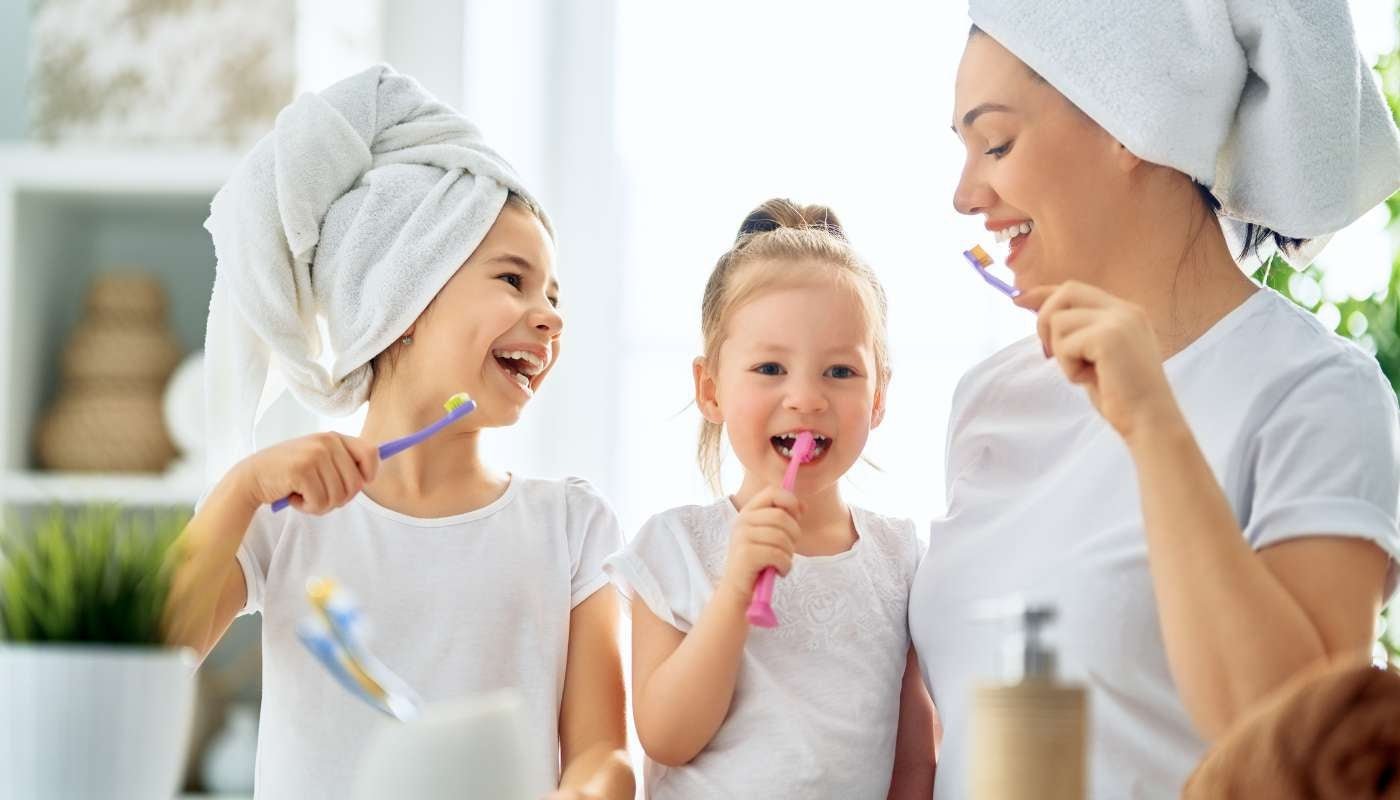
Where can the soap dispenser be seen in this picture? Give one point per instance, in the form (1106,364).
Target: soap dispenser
(1030,731)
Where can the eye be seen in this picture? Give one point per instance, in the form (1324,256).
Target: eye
(842,372)
(769,369)
(513,278)
(554,301)
(1000,150)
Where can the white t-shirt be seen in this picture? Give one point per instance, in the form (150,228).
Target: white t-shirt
(455,606)
(816,704)
(1301,431)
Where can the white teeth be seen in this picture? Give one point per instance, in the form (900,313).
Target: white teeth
(530,364)
(1007,234)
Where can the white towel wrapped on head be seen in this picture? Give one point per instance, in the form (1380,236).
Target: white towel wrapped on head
(357,208)
(1269,104)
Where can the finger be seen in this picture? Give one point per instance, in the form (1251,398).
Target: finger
(777,558)
(773,536)
(1066,322)
(1076,355)
(775,518)
(787,501)
(346,468)
(366,456)
(313,489)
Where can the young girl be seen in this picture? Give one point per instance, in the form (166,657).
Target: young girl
(378,209)
(829,703)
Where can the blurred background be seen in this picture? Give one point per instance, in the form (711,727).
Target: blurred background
(648,130)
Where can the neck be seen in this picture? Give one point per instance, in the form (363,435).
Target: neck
(1182,272)
(438,477)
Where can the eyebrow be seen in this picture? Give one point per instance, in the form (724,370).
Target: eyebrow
(985,108)
(835,352)
(525,265)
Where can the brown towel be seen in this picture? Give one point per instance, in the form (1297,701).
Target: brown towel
(1333,734)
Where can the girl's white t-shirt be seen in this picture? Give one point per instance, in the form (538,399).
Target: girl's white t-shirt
(1300,429)
(456,606)
(816,706)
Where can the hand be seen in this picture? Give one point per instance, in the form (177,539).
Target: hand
(571,794)
(764,535)
(320,472)
(1107,346)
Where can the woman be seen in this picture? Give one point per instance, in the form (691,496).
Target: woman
(1195,473)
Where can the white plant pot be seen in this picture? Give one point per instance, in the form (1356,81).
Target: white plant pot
(90,721)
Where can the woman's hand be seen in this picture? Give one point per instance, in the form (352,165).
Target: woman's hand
(1107,346)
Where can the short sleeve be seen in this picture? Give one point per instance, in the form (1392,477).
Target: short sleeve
(659,567)
(255,556)
(593,533)
(1326,460)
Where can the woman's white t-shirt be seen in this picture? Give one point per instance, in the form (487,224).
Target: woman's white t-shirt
(456,606)
(816,705)
(1300,429)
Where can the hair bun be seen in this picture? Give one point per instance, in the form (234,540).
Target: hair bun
(783,213)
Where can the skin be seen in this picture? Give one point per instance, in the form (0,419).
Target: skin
(794,357)
(504,296)
(1124,267)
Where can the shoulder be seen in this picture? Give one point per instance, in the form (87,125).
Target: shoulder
(895,538)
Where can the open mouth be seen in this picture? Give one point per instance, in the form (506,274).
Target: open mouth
(783,444)
(520,366)
(1017,235)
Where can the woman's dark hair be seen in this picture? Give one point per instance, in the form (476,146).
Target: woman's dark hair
(1254,235)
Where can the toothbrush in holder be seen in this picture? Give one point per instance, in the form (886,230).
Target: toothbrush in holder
(458,405)
(760,611)
(980,260)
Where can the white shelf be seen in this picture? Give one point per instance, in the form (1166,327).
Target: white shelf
(74,488)
(98,171)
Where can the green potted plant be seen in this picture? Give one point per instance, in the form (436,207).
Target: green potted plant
(95,704)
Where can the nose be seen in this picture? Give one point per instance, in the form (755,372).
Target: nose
(544,317)
(804,396)
(973,195)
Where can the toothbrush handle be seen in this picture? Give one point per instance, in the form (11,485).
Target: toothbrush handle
(393,448)
(760,611)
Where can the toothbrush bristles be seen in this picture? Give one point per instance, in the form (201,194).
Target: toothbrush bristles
(456,401)
(979,255)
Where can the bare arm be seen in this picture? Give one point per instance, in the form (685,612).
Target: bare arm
(915,744)
(593,713)
(682,684)
(1236,623)
(207,588)
(320,472)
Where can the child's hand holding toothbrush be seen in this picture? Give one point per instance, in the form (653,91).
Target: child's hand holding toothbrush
(764,535)
(320,472)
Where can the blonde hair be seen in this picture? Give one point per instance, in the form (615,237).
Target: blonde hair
(792,244)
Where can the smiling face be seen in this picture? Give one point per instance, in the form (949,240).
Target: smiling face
(1042,174)
(493,330)
(794,358)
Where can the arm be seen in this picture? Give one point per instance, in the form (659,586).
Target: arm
(207,588)
(916,742)
(593,712)
(1238,623)
(1235,623)
(321,472)
(683,683)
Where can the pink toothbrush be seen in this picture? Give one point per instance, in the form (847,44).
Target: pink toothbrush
(760,611)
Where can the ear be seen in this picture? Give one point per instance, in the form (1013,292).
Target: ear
(877,411)
(706,398)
